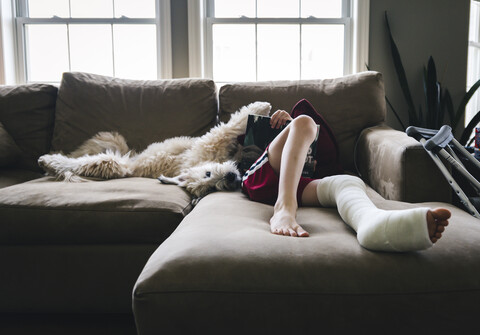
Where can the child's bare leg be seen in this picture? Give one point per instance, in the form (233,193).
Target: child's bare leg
(286,155)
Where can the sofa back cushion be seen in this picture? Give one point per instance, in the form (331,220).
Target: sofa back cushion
(348,104)
(142,111)
(10,153)
(27,113)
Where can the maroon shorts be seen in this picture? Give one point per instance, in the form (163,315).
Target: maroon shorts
(260,182)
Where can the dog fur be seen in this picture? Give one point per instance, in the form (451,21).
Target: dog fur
(199,164)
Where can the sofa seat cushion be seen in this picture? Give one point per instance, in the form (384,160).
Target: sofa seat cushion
(223,267)
(130,210)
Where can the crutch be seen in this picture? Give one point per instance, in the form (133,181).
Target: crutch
(438,144)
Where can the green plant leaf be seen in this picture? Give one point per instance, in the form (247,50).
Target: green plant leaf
(448,105)
(470,140)
(440,112)
(469,129)
(461,107)
(425,95)
(402,78)
(421,122)
(432,96)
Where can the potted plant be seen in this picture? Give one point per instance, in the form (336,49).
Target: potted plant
(438,101)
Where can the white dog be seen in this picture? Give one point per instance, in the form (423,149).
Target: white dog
(199,164)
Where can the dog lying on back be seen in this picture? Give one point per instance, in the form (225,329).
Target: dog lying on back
(199,164)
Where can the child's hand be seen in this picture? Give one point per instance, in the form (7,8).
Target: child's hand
(279,119)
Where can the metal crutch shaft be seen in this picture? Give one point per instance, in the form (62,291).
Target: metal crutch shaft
(457,189)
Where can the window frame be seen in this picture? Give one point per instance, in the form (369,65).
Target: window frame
(163,34)
(355,18)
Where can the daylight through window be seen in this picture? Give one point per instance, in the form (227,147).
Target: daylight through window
(256,40)
(109,37)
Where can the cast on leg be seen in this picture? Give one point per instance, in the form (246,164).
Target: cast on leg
(377,229)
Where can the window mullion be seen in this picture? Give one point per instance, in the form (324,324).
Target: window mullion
(209,49)
(256,41)
(300,40)
(21,8)
(300,46)
(256,52)
(21,72)
(347,48)
(113,50)
(293,20)
(69,49)
(346,12)
(122,20)
(211,8)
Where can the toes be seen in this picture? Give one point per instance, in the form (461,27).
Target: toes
(277,231)
(302,232)
(441,214)
(442,223)
(299,232)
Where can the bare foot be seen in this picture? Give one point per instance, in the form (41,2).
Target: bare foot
(437,220)
(283,222)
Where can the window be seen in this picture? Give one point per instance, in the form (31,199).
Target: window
(473,73)
(120,38)
(257,40)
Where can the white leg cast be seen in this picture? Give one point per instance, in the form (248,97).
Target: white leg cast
(377,229)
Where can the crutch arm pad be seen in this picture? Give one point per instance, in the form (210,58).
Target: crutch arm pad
(440,140)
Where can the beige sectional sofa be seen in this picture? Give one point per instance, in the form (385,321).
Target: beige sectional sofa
(75,257)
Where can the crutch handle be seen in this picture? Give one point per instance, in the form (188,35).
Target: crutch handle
(419,133)
(440,140)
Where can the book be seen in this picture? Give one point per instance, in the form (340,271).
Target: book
(259,134)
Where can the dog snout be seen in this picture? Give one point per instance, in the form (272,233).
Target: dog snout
(231,177)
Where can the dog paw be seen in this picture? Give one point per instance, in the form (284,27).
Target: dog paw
(260,108)
(45,163)
(166,180)
(42,160)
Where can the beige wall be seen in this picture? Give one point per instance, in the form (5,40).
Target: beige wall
(421,28)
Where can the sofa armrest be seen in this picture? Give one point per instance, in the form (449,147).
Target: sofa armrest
(398,167)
